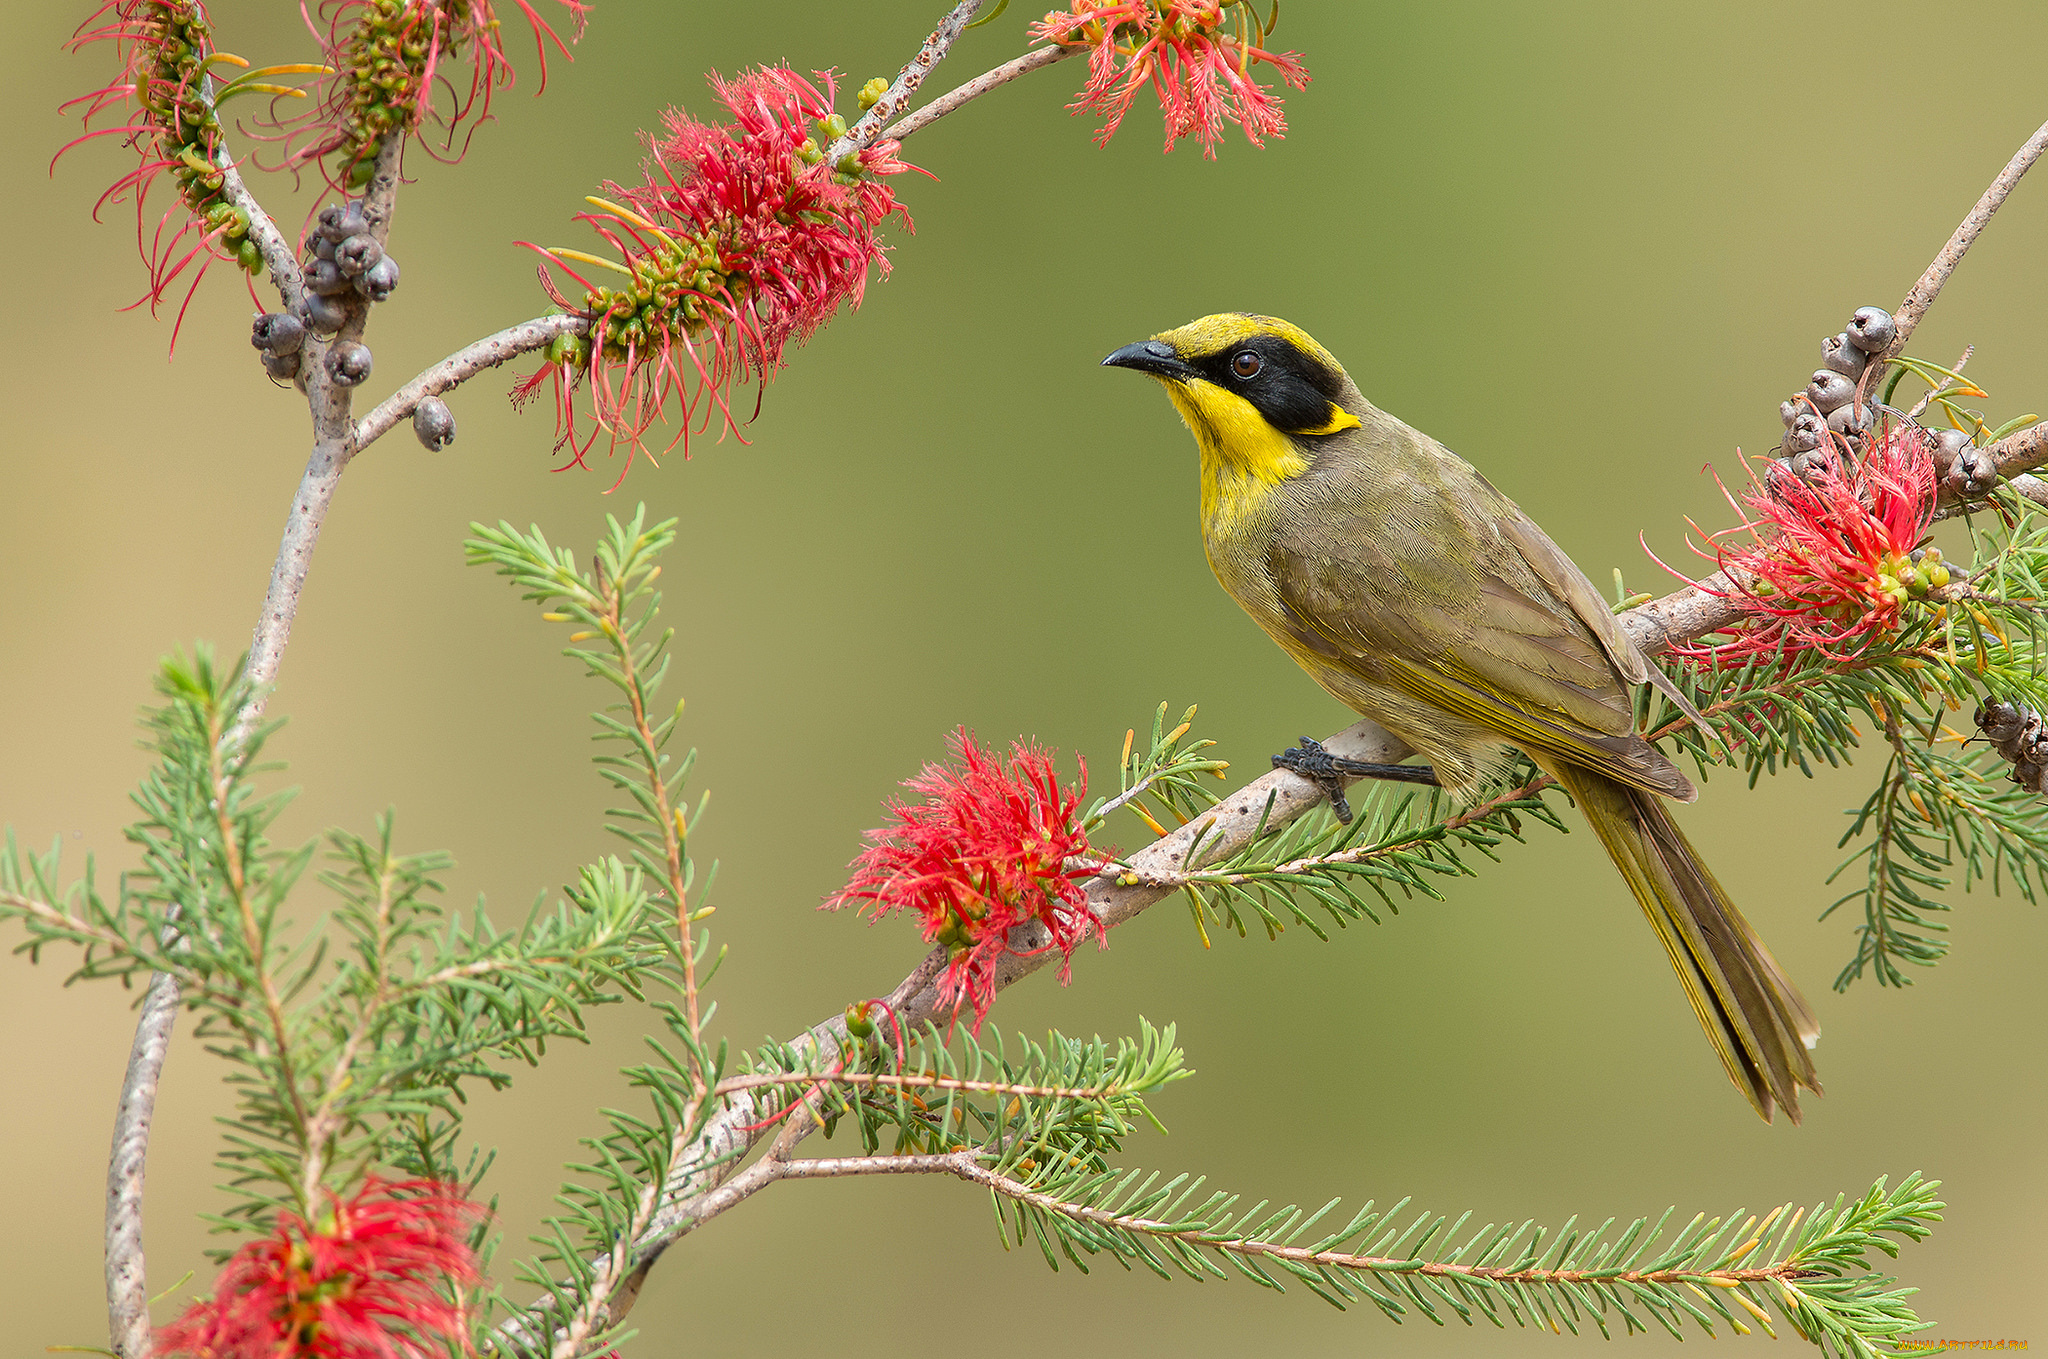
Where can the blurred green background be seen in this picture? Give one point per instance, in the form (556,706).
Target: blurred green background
(1589,246)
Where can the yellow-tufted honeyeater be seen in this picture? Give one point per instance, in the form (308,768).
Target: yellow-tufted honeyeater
(1423,598)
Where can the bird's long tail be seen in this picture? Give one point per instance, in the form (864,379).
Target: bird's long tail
(1753,1014)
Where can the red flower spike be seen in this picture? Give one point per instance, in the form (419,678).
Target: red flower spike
(740,242)
(1200,71)
(1828,569)
(381,1276)
(166,52)
(390,60)
(987,850)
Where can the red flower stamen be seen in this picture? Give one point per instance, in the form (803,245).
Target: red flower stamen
(1828,567)
(381,1276)
(391,61)
(740,242)
(1200,72)
(988,849)
(167,54)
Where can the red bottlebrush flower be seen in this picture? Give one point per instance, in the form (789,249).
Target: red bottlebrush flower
(390,60)
(740,241)
(379,1276)
(1829,568)
(1201,73)
(165,85)
(988,849)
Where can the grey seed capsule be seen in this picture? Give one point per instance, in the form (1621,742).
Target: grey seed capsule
(356,254)
(379,280)
(325,314)
(1948,445)
(1871,329)
(1801,441)
(433,423)
(278,332)
(1815,463)
(1830,391)
(1999,720)
(323,249)
(1852,419)
(283,367)
(1808,423)
(339,221)
(1973,473)
(348,363)
(324,277)
(1838,355)
(1788,411)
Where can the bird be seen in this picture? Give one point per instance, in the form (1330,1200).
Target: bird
(1423,598)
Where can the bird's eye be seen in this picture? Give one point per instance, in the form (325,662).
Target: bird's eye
(1246,363)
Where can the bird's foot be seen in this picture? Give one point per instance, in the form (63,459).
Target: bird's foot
(1328,772)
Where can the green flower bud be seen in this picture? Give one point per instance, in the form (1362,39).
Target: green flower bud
(872,92)
(250,256)
(833,126)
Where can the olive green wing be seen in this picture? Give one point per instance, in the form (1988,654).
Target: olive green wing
(1478,636)
(1569,584)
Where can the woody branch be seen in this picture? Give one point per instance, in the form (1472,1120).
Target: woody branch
(699,1187)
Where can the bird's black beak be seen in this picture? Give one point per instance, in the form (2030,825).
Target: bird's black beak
(1152,356)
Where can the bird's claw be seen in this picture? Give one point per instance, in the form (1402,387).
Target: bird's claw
(1313,761)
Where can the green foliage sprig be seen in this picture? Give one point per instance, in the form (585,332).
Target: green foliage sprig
(1067,1099)
(1813,1268)
(591,1248)
(350,1045)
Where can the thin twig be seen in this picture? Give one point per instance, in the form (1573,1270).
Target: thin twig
(965,1164)
(1923,293)
(464,364)
(333,446)
(881,1080)
(669,817)
(127,1286)
(1034,60)
(867,131)
(278,255)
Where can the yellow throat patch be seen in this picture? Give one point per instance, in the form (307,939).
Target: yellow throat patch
(1243,457)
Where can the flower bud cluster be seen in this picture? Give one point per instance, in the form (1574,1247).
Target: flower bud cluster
(1911,575)
(1834,399)
(741,242)
(2017,732)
